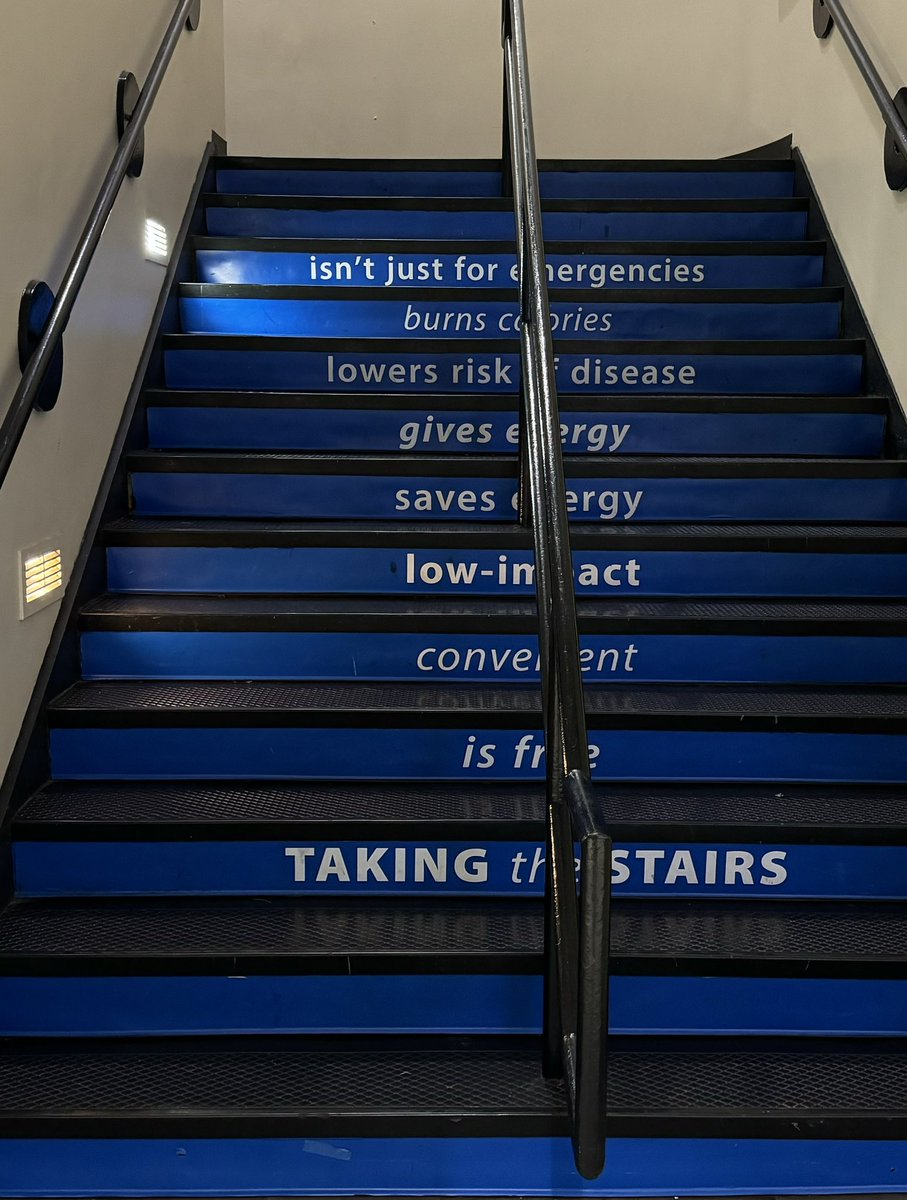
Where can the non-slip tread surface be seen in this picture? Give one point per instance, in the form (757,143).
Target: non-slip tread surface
(659,204)
(578,245)
(254,804)
(657,293)
(263,162)
(122,1082)
(663,930)
(455,466)
(176,605)
(485,531)
(696,700)
(269,926)
(731,403)
(501,460)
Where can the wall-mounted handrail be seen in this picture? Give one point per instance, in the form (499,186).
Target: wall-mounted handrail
(576,928)
(830,14)
(26,394)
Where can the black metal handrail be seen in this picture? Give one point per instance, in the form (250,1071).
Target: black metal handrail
(830,14)
(24,400)
(576,927)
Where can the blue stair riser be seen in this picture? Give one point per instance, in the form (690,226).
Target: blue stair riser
(479,319)
(471,432)
(439,1004)
(580,184)
(457,754)
(454,572)
(446,498)
(381,370)
(402,267)
(498,226)
(851,434)
(479,869)
(491,658)
(541,1166)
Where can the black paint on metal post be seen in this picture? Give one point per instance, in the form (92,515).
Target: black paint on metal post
(832,14)
(128,92)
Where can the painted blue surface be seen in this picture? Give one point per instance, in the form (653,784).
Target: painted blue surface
(485,498)
(397,572)
(43,1167)
(477,432)
(407,268)
(491,658)
(470,752)
(471,1004)
(288,181)
(478,319)
(682,373)
(497,226)
(442,867)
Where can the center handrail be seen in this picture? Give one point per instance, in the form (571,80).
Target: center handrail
(576,927)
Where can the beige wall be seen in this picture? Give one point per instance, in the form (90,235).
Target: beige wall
(363,77)
(839,129)
(651,78)
(57,133)
(639,78)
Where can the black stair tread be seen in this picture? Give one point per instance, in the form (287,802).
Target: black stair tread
(795,536)
(128,810)
(724,1087)
(466,401)
(438,935)
(146,697)
(408,465)
(273,927)
(188,613)
(614,295)
(461,204)
(243,343)
(731,165)
(278,245)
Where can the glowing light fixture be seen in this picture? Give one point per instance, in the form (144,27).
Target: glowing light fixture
(157,244)
(41,577)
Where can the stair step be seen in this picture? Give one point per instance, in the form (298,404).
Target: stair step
(124,811)
(474,265)
(490,219)
(378,312)
(156,967)
(181,637)
(811,1090)
(432,706)
(796,537)
(449,936)
(206,361)
(160,730)
(255,1117)
(237,614)
(482,177)
(599,425)
(245,839)
(484,487)
(204,556)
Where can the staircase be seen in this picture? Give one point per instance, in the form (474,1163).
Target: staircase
(277,925)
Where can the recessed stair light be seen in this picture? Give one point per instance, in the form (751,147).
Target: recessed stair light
(157,243)
(41,577)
